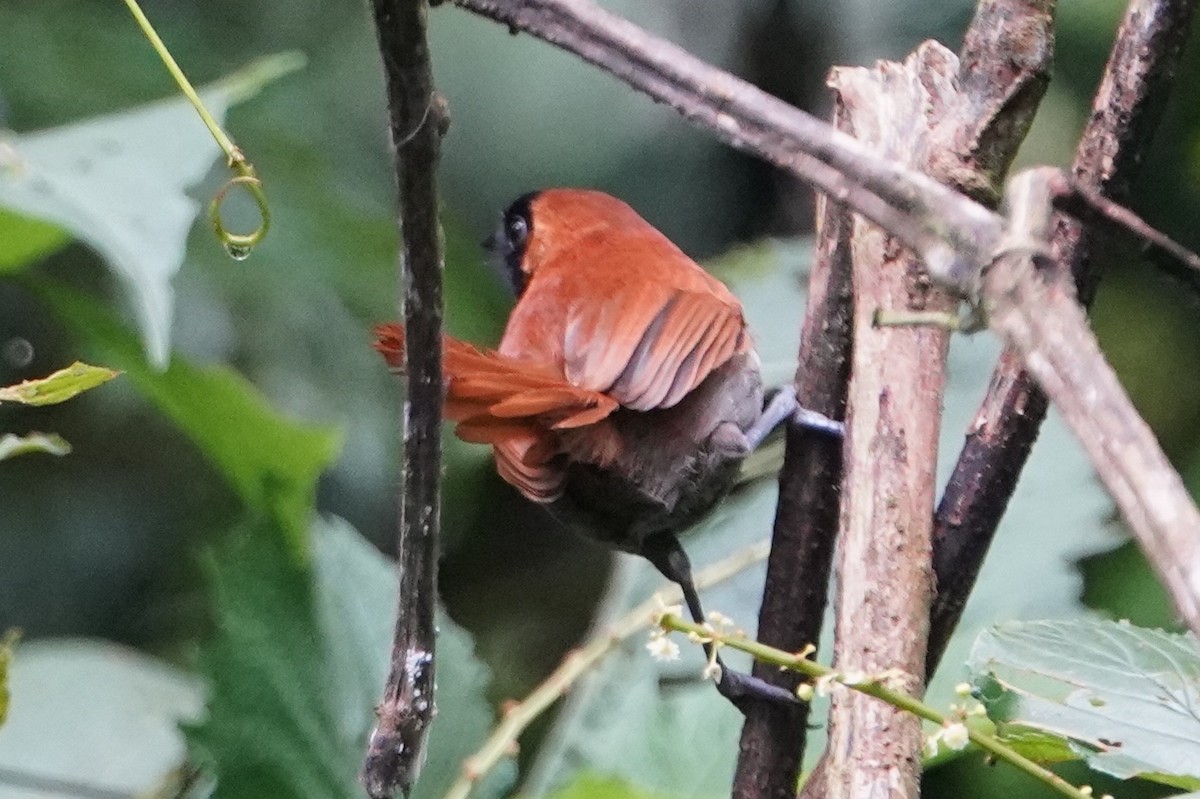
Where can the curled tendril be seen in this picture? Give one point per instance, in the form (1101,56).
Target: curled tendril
(241,243)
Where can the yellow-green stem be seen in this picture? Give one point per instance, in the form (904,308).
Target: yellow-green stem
(519,715)
(223,141)
(800,663)
(238,244)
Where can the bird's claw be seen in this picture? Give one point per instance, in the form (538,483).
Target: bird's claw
(744,690)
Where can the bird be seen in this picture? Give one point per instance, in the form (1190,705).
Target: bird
(625,392)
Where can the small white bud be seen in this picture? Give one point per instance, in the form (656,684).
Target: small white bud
(956,736)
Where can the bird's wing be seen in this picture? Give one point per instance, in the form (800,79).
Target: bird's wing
(650,343)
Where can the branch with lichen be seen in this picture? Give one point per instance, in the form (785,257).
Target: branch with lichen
(954,731)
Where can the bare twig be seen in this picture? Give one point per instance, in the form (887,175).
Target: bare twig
(1125,113)
(1090,206)
(417,120)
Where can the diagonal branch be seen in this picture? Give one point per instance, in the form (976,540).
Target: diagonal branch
(1035,311)
(417,121)
(937,222)
(1125,113)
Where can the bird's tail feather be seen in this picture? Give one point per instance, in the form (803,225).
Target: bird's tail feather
(513,405)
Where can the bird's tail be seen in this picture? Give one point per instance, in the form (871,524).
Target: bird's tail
(514,405)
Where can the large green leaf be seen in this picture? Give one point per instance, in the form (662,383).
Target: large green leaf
(118,183)
(299,660)
(635,720)
(24,240)
(94,719)
(593,786)
(273,463)
(1125,699)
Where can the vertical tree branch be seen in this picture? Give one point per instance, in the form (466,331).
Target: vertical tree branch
(962,123)
(1003,73)
(417,120)
(1125,112)
(793,606)
(893,416)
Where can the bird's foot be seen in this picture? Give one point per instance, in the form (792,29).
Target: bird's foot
(784,407)
(744,690)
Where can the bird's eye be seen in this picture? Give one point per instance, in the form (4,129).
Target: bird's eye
(518,231)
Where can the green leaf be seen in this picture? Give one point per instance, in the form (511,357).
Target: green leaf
(594,786)
(272,462)
(300,659)
(1123,698)
(1122,584)
(12,445)
(118,183)
(59,386)
(7,644)
(646,723)
(26,240)
(99,718)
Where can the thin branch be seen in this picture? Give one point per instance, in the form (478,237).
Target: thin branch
(1125,113)
(577,663)
(1090,206)
(887,686)
(417,120)
(802,541)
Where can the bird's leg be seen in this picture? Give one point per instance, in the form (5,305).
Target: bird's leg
(784,407)
(667,555)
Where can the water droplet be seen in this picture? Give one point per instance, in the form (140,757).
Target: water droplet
(18,352)
(238,252)
(421,705)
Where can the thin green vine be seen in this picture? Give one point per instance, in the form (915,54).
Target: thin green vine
(238,245)
(871,685)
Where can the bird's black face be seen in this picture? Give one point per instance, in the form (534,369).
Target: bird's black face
(507,245)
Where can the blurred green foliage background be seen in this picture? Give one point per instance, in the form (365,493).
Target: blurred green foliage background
(110,542)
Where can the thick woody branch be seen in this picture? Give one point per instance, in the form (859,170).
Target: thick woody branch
(1125,113)
(961,121)
(417,120)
